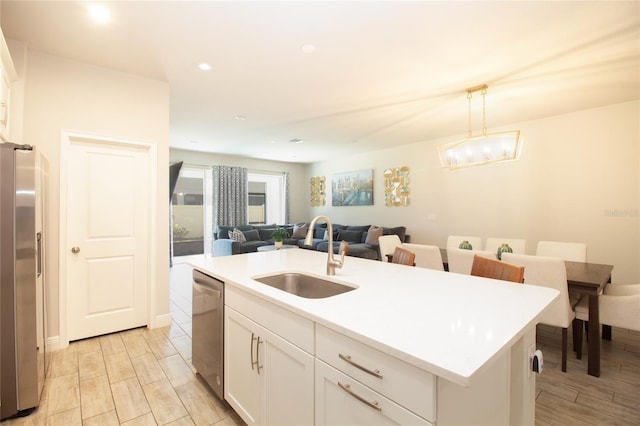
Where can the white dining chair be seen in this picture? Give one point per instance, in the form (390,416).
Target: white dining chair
(548,272)
(453,242)
(619,306)
(427,256)
(575,252)
(388,244)
(518,246)
(460,260)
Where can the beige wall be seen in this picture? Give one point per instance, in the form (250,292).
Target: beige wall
(577,180)
(61,94)
(298,183)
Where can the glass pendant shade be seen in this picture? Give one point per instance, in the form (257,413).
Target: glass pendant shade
(483,149)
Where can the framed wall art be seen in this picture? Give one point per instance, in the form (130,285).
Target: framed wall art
(352,188)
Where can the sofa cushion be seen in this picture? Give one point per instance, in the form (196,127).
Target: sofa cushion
(224,232)
(300,231)
(398,230)
(265,233)
(319,230)
(349,236)
(362,228)
(365,251)
(251,235)
(237,235)
(373,234)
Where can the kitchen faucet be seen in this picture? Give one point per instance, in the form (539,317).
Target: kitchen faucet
(332,263)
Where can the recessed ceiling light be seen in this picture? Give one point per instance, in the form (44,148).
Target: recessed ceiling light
(308,48)
(99,14)
(240,117)
(296,140)
(204,66)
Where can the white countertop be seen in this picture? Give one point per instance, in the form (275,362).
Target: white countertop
(448,324)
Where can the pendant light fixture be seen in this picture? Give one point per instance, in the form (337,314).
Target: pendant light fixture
(483,148)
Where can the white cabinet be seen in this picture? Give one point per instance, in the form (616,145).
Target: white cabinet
(341,400)
(357,384)
(268,380)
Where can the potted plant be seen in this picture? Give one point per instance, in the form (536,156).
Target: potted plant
(278,236)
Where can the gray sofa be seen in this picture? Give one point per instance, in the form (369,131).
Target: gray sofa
(260,235)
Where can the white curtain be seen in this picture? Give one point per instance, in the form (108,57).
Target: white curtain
(286,197)
(230,196)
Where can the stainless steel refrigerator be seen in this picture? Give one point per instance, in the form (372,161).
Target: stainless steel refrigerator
(22,278)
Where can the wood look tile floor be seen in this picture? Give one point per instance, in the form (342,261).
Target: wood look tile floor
(144,377)
(137,377)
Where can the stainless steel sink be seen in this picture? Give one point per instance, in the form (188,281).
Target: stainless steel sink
(303,285)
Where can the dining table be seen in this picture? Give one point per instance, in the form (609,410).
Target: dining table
(589,280)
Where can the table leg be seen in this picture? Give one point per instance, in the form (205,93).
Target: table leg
(594,336)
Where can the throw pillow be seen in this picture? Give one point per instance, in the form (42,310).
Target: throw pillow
(373,234)
(252,235)
(237,235)
(300,231)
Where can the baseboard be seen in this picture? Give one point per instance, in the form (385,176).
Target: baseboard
(54,344)
(163,320)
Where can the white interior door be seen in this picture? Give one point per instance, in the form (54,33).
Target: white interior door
(108,213)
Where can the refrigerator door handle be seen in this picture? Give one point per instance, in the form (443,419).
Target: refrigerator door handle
(38,254)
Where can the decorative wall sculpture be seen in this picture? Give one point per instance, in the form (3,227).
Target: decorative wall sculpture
(317,191)
(396,186)
(352,188)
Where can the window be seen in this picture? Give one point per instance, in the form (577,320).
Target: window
(267,192)
(191,233)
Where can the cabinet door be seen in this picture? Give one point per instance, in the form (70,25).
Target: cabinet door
(288,382)
(241,382)
(341,400)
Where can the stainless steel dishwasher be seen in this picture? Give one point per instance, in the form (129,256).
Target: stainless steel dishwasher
(208,330)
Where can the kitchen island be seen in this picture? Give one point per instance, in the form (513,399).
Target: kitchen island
(408,345)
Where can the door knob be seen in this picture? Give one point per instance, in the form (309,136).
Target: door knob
(75,250)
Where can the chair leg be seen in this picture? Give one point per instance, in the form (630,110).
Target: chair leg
(606,332)
(586,329)
(577,328)
(564,349)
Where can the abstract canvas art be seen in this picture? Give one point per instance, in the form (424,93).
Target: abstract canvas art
(352,188)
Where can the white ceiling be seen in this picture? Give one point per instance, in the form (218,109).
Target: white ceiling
(383,73)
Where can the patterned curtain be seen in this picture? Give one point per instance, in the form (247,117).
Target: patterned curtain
(230,196)
(286,197)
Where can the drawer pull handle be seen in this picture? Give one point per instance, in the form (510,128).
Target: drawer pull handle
(253,363)
(348,359)
(347,388)
(258,366)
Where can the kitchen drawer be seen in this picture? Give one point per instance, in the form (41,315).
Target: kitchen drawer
(292,327)
(341,400)
(397,380)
